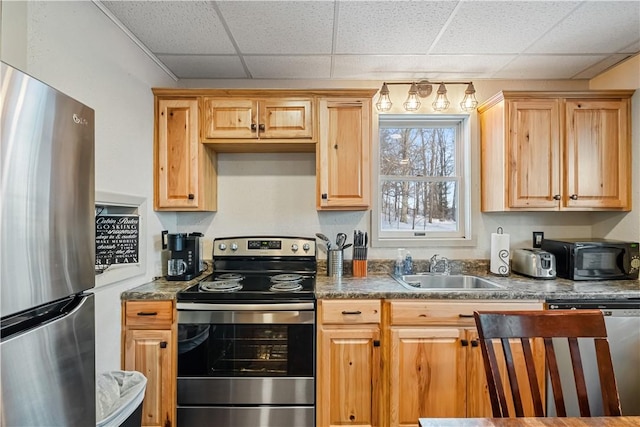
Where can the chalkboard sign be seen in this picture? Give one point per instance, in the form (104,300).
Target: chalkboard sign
(117,240)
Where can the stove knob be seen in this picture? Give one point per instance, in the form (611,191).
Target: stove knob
(306,247)
(222,246)
(234,247)
(294,247)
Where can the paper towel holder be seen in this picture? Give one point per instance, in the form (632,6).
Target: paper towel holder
(500,266)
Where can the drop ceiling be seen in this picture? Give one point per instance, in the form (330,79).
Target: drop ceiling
(382,40)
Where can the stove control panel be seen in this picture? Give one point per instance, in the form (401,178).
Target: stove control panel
(264,246)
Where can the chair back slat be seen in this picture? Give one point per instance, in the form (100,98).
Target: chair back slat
(536,395)
(513,379)
(554,375)
(525,326)
(578,374)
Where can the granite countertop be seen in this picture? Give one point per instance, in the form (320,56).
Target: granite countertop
(379,284)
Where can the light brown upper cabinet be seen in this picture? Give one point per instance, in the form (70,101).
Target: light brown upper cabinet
(550,151)
(185,170)
(343,156)
(270,120)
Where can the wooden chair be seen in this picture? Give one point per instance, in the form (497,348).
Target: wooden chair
(498,328)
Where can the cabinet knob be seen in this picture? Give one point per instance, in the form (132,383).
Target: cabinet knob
(474,343)
(335,146)
(573,197)
(163,344)
(261,127)
(556,197)
(464,343)
(324,196)
(147,313)
(376,343)
(253,127)
(191,196)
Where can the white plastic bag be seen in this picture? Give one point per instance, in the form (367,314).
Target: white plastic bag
(118,395)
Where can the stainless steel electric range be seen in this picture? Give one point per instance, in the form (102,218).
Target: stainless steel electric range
(246,336)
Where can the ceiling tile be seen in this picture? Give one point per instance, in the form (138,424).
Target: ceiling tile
(601,66)
(410,67)
(500,27)
(204,66)
(594,27)
(547,66)
(178,27)
(289,67)
(397,27)
(285,27)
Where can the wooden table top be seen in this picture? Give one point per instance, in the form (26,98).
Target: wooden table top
(532,422)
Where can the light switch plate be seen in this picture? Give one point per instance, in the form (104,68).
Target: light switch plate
(538,237)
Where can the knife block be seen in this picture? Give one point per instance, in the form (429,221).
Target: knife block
(359,268)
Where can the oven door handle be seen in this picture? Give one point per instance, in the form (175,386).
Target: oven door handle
(188,306)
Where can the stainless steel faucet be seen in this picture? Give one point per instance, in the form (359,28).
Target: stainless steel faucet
(434,261)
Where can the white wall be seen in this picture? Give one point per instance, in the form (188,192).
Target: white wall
(75,48)
(275,193)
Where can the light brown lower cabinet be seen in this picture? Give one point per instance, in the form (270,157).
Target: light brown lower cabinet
(348,368)
(431,363)
(149,346)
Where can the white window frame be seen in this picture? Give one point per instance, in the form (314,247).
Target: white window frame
(463,236)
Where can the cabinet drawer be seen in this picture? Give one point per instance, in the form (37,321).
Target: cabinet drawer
(350,311)
(148,314)
(429,312)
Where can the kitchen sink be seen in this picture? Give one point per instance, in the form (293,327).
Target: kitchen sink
(431,282)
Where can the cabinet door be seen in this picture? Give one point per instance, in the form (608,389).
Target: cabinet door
(285,118)
(343,158)
(177,155)
(427,374)
(347,375)
(534,154)
(598,154)
(150,352)
(229,118)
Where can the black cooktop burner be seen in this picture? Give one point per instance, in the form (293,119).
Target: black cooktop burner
(220,286)
(261,286)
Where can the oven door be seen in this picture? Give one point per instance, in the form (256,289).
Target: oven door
(246,364)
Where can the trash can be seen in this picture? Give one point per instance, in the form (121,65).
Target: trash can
(119,397)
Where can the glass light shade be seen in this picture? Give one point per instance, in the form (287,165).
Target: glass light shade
(469,102)
(412,103)
(441,103)
(384,102)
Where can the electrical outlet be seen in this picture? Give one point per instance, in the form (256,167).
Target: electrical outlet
(538,237)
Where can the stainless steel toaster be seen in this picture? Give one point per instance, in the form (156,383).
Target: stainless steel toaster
(534,263)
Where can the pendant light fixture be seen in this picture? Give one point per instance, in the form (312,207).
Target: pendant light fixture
(469,102)
(441,103)
(423,89)
(412,103)
(384,102)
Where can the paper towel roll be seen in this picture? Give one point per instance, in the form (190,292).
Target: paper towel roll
(500,253)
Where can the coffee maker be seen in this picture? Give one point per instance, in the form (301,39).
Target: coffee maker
(185,256)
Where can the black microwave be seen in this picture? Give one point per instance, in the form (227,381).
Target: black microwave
(594,259)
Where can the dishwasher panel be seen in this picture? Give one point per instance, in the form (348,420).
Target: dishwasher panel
(622,319)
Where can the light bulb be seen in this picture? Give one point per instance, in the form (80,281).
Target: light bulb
(441,103)
(384,102)
(412,103)
(469,102)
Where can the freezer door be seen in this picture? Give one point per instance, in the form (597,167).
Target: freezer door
(47,375)
(47,211)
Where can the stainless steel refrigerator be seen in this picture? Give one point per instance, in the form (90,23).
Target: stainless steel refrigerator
(47,251)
